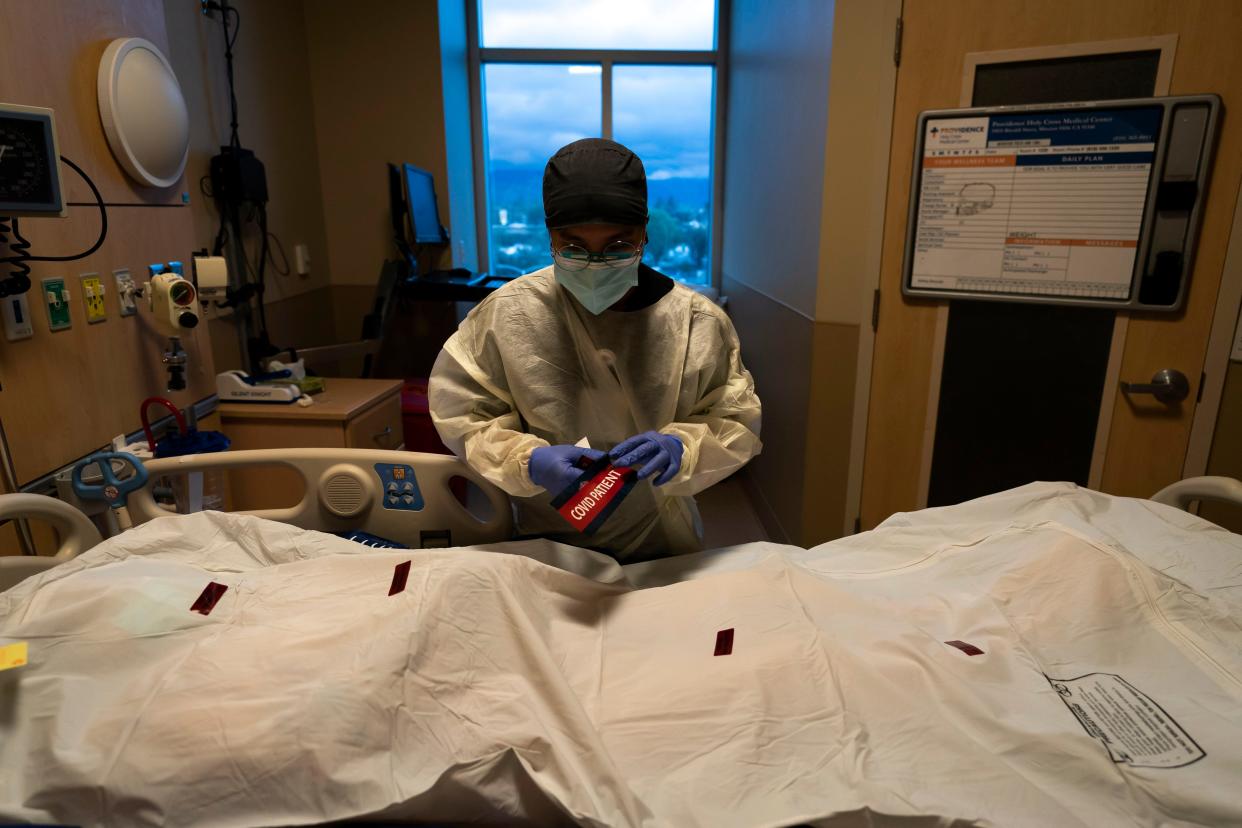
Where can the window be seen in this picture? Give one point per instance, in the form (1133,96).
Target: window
(550,72)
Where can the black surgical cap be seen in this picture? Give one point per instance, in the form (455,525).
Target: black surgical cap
(594,181)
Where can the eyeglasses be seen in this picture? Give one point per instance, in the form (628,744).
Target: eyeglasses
(617,254)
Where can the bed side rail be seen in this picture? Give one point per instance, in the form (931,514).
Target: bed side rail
(1184,492)
(402,496)
(74,529)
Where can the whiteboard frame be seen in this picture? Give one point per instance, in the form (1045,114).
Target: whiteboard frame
(1145,233)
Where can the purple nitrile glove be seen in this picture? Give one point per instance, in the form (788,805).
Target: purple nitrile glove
(659,453)
(556,467)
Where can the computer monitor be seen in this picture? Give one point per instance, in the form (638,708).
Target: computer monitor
(412,203)
(420,199)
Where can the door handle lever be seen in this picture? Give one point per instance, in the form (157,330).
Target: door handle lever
(1168,386)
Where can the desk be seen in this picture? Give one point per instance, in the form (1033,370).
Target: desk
(457,285)
(350,413)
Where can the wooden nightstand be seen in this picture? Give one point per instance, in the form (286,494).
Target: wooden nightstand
(350,413)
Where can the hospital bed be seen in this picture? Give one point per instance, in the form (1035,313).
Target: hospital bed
(1047,655)
(365,492)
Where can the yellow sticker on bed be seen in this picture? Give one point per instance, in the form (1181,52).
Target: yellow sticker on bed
(13,655)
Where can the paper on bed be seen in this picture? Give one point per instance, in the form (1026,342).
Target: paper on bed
(495,686)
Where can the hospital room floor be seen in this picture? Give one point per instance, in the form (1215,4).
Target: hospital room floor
(728,516)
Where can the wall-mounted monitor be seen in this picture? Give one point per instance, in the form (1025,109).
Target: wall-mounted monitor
(29,162)
(1075,204)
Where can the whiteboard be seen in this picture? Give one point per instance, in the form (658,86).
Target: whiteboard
(1059,203)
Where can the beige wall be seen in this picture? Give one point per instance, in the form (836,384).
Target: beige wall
(861,87)
(375,76)
(834,357)
(861,78)
(275,117)
(776,348)
(774,161)
(809,98)
(777,109)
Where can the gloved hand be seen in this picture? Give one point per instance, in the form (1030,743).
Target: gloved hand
(555,467)
(660,452)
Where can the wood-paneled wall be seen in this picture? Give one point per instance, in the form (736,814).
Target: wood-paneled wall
(65,393)
(49,56)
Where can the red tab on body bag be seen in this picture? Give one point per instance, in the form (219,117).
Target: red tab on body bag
(965,647)
(400,574)
(595,495)
(208,598)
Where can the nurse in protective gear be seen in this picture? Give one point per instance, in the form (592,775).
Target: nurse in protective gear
(602,347)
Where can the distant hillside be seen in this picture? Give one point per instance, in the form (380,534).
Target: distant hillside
(517,185)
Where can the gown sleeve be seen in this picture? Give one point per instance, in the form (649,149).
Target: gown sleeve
(475,414)
(720,432)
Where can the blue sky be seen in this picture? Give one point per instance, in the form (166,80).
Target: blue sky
(663,113)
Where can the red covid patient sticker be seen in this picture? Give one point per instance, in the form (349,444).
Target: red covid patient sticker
(595,495)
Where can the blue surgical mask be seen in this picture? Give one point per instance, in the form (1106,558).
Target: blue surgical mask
(598,286)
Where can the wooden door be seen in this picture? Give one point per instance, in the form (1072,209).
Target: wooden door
(1143,445)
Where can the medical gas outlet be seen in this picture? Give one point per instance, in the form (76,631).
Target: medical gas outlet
(93,298)
(56,297)
(126,290)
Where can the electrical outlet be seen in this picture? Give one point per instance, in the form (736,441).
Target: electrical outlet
(125,291)
(17,318)
(301,257)
(56,298)
(93,297)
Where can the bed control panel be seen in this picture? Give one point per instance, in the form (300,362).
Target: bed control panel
(399,486)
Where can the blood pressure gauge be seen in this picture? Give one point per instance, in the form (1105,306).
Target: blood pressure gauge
(172,299)
(29,179)
(181,293)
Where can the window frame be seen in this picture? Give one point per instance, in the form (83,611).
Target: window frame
(717,58)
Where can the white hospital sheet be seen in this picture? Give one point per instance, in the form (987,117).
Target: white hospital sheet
(1104,685)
